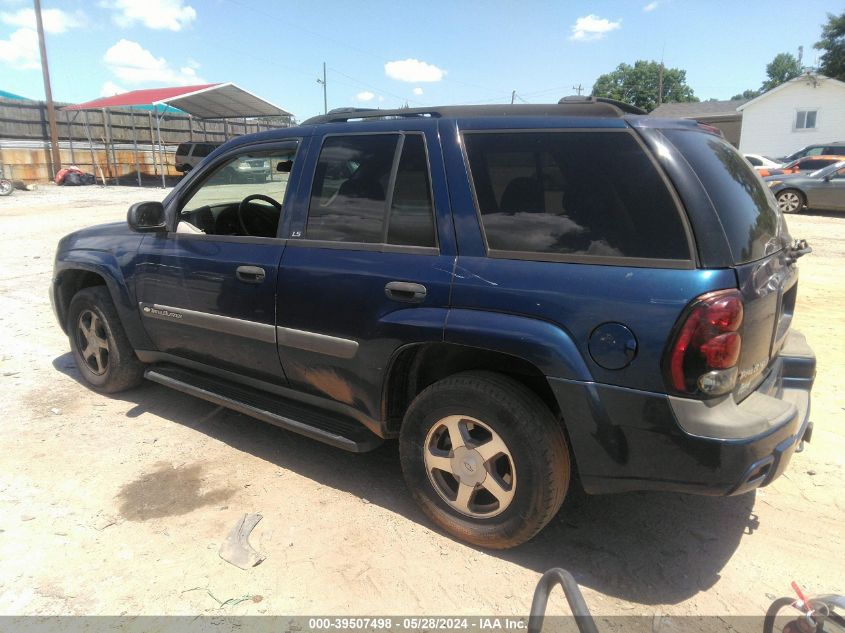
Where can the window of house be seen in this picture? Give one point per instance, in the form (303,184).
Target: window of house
(805,119)
(573,193)
(361,194)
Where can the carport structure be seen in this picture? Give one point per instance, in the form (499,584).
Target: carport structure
(222,101)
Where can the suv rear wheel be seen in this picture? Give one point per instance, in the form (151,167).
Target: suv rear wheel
(102,352)
(485,458)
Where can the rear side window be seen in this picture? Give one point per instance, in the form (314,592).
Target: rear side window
(184,149)
(746,208)
(362,194)
(581,193)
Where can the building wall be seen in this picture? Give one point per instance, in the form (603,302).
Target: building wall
(768,125)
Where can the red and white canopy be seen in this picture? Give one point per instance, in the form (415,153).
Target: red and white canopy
(207,101)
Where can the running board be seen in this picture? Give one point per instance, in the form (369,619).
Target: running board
(318,424)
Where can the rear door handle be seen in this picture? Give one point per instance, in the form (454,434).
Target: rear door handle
(405,291)
(250,274)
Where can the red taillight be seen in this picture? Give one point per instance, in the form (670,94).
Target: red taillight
(707,344)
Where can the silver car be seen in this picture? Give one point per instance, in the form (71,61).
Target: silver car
(821,189)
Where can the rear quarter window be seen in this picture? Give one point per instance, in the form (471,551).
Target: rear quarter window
(588,194)
(745,206)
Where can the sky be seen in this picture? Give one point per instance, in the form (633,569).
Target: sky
(384,53)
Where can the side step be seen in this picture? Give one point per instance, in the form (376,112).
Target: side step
(328,427)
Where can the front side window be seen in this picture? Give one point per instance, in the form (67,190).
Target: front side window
(573,193)
(361,194)
(805,120)
(241,196)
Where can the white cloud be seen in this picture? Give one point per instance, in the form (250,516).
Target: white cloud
(365,96)
(54,20)
(171,15)
(418,91)
(132,63)
(651,6)
(20,51)
(380,98)
(110,89)
(413,71)
(592,27)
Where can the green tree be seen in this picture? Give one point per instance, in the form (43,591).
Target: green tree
(638,85)
(747,94)
(832,62)
(781,69)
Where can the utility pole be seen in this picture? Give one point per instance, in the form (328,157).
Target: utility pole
(56,161)
(325,99)
(513,96)
(660,84)
(578,89)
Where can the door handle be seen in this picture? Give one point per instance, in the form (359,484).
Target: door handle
(250,274)
(405,291)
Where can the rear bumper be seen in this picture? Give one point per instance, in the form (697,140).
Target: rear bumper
(625,439)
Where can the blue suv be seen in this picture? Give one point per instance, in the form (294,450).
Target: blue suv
(521,295)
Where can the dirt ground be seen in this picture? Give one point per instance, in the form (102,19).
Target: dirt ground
(118,505)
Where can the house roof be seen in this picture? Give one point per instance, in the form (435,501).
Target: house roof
(206,101)
(698,109)
(799,79)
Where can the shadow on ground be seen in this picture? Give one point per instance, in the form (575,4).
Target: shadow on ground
(649,548)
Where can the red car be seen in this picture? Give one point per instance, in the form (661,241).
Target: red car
(808,163)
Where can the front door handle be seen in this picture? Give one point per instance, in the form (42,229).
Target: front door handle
(250,274)
(405,291)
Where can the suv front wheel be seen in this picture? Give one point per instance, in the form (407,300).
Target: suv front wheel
(102,351)
(485,458)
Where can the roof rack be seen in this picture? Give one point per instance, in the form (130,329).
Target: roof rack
(568,106)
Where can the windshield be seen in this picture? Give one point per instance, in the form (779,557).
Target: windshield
(825,171)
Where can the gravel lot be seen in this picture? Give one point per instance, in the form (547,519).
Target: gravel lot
(118,505)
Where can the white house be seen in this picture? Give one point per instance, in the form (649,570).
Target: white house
(806,110)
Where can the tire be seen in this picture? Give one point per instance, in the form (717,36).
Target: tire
(118,369)
(504,500)
(6,187)
(790,201)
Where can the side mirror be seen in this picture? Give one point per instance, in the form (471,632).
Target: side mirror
(828,178)
(146,217)
(284,166)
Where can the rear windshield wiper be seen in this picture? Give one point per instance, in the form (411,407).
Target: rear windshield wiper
(797,249)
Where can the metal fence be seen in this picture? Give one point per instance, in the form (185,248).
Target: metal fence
(118,145)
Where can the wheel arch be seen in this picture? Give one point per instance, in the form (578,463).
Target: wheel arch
(414,367)
(97,268)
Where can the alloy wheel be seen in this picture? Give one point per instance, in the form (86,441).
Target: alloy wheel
(92,342)
(470,466)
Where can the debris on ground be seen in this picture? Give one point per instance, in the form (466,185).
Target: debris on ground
(236,548)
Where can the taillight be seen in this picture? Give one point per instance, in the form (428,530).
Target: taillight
(705,349)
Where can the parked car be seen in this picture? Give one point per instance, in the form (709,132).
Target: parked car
(758,161)
(807,164)
(515,293)
(817,149)
(822,189)
(189,155)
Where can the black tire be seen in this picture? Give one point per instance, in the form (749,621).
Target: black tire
(802,200)
(532,435)
(116,370)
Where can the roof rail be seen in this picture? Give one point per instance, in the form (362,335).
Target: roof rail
(625,107)
(568,106)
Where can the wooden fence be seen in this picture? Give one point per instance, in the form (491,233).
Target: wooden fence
(119,143)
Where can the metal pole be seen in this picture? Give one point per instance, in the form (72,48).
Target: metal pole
(107,120)
(325,98)
(70,135)
(160,148)
(204,131)
(56,161)
(152,144)
(190,128)
(90,142)
(225,130)
(135,146)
